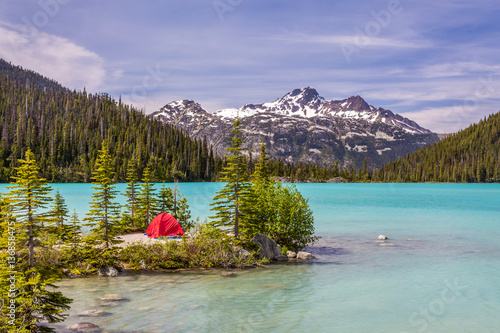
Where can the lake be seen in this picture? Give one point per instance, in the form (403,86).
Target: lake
(441,273)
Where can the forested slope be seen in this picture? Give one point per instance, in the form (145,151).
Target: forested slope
(472,155)
(65,130)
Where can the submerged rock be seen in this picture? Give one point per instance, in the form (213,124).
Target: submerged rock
(226,274)
(382,237)
(268,248)
(110,304)
(302,255)
(282,257)
(84,327)
(113,298)
(94,313)
(108,271)
(274,286)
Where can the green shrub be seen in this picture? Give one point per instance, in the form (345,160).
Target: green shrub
(284,215)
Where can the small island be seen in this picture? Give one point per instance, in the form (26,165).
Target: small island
(255,220)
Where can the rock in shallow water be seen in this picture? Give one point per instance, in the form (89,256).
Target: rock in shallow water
(84,327)
(268,248)
(382,237)
(302,255)
(94,313)
(113,298)
(107,271)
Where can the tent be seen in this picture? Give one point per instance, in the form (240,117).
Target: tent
(164,225)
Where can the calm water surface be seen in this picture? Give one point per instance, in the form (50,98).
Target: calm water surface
(441,274)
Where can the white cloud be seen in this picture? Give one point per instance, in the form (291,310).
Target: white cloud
(457,69)
(53,56)
(352,39)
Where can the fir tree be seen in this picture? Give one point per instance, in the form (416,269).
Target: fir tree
(29,297)
(103,210)
(230,203)
(74,230)
(261,168)
(131,191)
(146,199)
(166,200)
(59,211)
(29,196)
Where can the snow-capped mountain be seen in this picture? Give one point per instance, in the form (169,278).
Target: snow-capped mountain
(304,127)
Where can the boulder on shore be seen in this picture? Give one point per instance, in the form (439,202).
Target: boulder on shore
(84,327)
(107,271)
(302,255)
(268,248)
(291,254)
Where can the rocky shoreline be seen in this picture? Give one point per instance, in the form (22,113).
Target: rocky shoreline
(268,251)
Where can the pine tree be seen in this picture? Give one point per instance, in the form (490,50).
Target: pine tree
(59,211)
(261,168)
(146,199)
(29,196)
(131,191)
(229,203)
(104,211)
(166,200)
(28,296)
(74,230)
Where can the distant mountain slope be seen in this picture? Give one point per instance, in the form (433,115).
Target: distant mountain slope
(29,77)
(472,155)
(302,127)
(65,130)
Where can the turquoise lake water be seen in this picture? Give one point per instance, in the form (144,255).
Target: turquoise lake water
(442,273)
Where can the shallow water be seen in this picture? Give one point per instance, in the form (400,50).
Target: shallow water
(441,273)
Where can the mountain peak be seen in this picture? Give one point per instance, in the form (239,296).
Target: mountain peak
(356,103)
(304,95)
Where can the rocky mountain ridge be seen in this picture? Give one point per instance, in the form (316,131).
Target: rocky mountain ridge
(304,127)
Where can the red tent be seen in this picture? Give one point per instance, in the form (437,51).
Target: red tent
(164,225)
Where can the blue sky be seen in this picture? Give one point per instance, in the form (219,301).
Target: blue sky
(436,62)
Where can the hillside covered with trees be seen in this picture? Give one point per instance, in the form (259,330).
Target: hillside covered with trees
(65,129)
(470,156)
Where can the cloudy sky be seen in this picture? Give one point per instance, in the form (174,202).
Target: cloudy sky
(436,62)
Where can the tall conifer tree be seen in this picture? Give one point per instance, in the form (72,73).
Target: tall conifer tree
(29,196)
(103,210)
(131,191)
(146,199)
(230,203)
(59,211)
